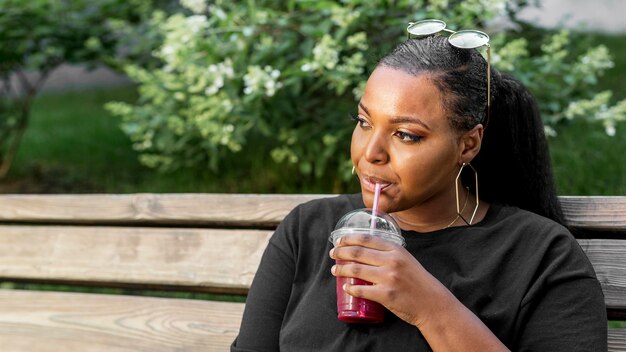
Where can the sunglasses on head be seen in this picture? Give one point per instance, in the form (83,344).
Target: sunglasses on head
(464,39)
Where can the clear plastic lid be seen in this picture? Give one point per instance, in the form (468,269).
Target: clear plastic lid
(360,220)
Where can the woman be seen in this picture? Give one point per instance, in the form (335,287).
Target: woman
(500,274)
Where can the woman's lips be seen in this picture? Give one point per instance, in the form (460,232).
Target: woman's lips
(369,183)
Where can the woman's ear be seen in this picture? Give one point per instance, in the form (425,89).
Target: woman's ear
(470,144)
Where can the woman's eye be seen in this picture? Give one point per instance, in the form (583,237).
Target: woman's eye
(361,121)
(408,137)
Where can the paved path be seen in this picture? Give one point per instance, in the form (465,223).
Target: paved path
(596,15)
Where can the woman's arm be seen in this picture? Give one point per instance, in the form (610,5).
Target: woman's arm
(563,310)
(408,290)
(266,302)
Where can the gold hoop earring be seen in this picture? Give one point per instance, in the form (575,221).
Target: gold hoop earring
(353,170)
(456,191)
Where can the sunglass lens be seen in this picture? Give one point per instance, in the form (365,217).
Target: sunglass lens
(426,27)
(468,39)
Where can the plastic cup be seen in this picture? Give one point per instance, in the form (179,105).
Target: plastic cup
(353,309)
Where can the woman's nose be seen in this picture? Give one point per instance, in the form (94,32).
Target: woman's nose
(376,150)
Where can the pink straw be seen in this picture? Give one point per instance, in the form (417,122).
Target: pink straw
(375,206)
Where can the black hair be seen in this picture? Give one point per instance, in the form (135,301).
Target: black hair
(513,164)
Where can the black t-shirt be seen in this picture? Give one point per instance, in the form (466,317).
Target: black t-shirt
(523,275)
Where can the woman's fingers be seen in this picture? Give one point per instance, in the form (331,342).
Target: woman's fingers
(365,240)
(363,248)
(358,271)
(369,273)
(359,290)
(359,254)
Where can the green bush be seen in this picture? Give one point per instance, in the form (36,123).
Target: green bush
(289,72)
(562,77)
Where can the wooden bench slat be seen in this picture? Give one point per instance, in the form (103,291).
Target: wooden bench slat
(595,212)
(617,340)
(609,261)
(585,212)
(44,321)
(192,258)
(41,321)
(201,209)
(150,256)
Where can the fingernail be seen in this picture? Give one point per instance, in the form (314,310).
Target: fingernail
(338,242)
(331,252)
(333,269)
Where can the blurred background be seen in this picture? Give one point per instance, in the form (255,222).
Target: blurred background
(115,96)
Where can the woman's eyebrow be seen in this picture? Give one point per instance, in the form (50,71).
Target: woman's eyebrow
(400,119)
(408,119)
(364,108)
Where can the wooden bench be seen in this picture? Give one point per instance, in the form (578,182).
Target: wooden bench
(191,243)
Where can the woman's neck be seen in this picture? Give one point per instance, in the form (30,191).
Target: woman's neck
(441,217)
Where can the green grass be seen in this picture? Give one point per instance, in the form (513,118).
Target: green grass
(588,162)
(9,285)
(73,145)
(617,324)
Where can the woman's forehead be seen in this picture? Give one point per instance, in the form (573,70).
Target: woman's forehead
(393,92)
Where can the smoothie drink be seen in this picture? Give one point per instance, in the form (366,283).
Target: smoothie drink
(353,309)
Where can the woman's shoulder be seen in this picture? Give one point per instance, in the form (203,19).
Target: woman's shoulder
(517,218)
(329,207)
(340,200)
(310,223)
(539,234)
(321,212)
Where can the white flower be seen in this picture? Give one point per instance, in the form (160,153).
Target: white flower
(263,80)
(196,23)
(168,50)
(326,52)
(549,131)
(248,31)
(610,130)
(343,16)
(196,6)
(218,12)
(218,82)
(211,90)
(306,67)
(217,74)
(358,41)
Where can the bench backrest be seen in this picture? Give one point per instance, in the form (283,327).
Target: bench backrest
(191,243)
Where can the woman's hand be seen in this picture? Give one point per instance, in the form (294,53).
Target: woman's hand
(400,283)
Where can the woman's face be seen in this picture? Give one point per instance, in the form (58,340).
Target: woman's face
(404,141)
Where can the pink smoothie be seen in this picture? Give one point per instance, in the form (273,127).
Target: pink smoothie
(353,309)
